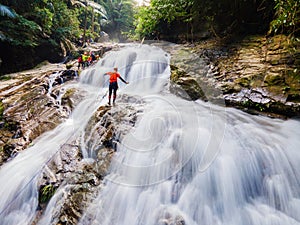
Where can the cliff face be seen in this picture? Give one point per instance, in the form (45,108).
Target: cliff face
(18,58)
(256,74)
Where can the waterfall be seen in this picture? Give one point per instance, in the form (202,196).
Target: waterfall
(159,176)
(184,162)
(19,177)
(196,163)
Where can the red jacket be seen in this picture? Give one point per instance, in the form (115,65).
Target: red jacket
(113,76)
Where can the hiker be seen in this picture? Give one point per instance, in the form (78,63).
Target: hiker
(84,57)
(79,62)
(113,84)
(93,56)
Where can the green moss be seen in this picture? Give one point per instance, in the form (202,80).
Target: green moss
(273,79)
(1,111)
(285,89)
(176,73)
(5,77)
(68,66)
(11,125)
(69,93)
(243,81)
(46,193)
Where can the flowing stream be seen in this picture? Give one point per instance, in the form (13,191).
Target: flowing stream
(184,162)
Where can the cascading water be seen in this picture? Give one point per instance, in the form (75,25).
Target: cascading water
(52,79)
(184,162)
(170,169)
(196,163)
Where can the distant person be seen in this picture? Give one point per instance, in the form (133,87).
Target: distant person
(79,62)
(92,58)
(113,84)
(92,54)
(84,57)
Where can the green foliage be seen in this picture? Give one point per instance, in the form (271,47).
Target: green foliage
(45,18)
(6,11)
(287,18)
(4,78)
(29,31)
(146,22)
(65,21)
(120,17)
(1,110)
(39,19)
(60,19)
(150,17)
(170,10)
(46,193)
(220,17)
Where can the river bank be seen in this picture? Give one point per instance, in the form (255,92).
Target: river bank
(256,74)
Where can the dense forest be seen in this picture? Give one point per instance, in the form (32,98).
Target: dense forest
(38,30)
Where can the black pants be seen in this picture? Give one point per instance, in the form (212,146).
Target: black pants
(113,87)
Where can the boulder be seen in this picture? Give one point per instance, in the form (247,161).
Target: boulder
(274,79)
(184,85)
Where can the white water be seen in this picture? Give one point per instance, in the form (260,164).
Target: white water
(157,176)
(51,81)
(184,160)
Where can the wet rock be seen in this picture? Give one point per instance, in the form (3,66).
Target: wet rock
(27,110)
(274,79)
(171,219)
(259,101)
(185,85)
(268,68)
(79,171)
(293,97)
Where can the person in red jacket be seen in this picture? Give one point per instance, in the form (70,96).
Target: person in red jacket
(113,84)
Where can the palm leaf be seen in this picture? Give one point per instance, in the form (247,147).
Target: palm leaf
(6,11)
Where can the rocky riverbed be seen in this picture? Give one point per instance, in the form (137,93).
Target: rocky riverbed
(258,75)
(35,101)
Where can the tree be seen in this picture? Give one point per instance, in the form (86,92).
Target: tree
(151,19)
(6,11)
(287,17)
(89,8)
(189,17)
(120,17)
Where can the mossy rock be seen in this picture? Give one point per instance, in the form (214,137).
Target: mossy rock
(176,73)
(1,110)
(192,88)
(184,85)
(293,97)
(231,87)
(69,66)
(46,192)
(243,81)
(274,79)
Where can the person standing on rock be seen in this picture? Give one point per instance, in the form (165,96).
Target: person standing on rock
(113,84)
